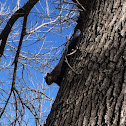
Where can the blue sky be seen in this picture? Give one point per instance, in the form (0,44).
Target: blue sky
(50,41)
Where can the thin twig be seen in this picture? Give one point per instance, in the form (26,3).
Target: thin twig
(70,66)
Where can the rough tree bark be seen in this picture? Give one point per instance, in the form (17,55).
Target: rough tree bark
(96,96)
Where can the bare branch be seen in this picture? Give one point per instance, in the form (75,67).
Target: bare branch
(19,13)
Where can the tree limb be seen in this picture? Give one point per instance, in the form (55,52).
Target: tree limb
(19,13)
(16,61)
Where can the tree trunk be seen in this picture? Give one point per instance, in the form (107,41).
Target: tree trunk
(96,96)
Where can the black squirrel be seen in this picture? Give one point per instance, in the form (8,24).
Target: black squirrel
(58,72)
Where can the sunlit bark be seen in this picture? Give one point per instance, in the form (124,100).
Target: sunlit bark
(97,96)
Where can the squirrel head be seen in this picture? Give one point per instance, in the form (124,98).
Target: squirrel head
(49,79)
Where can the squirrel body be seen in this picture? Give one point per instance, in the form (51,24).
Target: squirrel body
(58,72)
